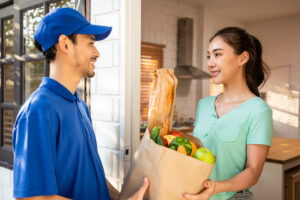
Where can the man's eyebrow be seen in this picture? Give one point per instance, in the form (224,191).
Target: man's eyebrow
(215,50)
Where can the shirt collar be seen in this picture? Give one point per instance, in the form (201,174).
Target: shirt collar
(59,89)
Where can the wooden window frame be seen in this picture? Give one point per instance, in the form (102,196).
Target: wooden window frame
(4,3)
(158,52)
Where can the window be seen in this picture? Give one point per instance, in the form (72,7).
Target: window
(7,106)
(22,66)
(151,59)
(285,105)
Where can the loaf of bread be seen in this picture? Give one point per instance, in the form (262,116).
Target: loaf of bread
(162,99)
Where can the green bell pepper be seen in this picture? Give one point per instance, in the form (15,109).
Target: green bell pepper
(184,142)
(188,148)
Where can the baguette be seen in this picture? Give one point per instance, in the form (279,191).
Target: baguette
(161,102)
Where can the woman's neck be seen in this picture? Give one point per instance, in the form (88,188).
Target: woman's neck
(236,92)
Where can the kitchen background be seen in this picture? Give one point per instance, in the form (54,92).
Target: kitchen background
(145,37)
(274,22)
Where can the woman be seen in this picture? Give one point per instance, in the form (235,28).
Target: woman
(237,124)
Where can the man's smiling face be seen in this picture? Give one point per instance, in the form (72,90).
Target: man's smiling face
(85,54)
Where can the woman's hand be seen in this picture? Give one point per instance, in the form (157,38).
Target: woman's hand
(139,195)
(209,190)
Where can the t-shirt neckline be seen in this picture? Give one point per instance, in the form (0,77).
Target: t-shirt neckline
(233,110)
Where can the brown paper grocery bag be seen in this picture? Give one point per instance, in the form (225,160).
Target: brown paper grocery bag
(171,174)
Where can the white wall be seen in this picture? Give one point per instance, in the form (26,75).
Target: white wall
(159,26)
(281,40)
(105,89)
(6,184)
(115,87)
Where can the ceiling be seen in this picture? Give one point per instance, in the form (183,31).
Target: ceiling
(252,10)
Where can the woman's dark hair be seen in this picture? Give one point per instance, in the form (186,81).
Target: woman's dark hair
(51,52)
(256,71)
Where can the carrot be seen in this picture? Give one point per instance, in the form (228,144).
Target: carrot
(194,148)
(181,149)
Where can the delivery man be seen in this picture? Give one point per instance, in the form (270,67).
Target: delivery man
(55,150)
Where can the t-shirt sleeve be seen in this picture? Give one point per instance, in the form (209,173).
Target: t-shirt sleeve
(34,144)
(261,128)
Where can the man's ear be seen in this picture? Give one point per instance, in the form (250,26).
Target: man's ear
(244,57)
(63,43)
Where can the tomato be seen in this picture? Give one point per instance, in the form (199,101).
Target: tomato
(176,133)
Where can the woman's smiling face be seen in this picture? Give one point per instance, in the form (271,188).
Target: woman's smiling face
(223,64)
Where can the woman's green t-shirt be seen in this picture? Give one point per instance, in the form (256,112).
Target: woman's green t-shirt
(227,137)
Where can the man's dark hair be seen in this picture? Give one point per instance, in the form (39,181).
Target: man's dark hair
(51,52)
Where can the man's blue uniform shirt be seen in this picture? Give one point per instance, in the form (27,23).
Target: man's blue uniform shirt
(55,150)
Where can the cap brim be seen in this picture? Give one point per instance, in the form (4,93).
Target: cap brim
(100,32)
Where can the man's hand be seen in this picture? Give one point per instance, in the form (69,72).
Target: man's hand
(139,195)
(113,192)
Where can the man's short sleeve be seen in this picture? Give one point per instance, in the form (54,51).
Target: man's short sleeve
(261,128)
(34,144)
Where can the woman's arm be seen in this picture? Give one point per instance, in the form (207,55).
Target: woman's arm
(256,156)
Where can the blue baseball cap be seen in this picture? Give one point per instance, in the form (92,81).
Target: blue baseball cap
(66,21)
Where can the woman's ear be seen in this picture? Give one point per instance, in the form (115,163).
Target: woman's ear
(63,43)
(244,57)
